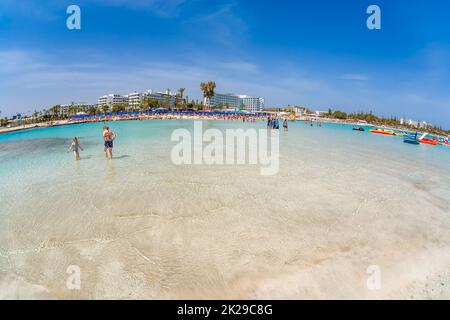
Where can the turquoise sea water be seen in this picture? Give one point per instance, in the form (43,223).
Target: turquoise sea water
(143,227)
(43,146)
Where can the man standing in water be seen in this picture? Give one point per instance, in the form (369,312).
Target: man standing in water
(108,137)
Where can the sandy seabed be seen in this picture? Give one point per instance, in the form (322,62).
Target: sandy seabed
(140,227)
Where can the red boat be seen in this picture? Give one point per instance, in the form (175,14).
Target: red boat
(433,142)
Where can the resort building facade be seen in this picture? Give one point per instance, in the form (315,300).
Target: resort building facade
(230,100)
(166,98)
(135,99)
(112,99)
(252,104)
(223,100)
(76,107)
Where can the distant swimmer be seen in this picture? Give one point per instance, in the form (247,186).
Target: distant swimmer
(285,125)
(108,137)
(75,147)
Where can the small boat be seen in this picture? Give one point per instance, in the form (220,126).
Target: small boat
(411,140)
(359,129)
(399,134)
(433,142)
(382,131)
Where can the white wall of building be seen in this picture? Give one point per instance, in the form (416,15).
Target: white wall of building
(252,104)
(112,99)
(66,109)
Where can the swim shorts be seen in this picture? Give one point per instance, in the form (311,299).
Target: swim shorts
(108,144)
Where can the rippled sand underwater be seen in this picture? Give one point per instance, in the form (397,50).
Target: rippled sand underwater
(140,227)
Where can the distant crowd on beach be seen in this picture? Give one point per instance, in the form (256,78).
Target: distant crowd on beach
(228,116)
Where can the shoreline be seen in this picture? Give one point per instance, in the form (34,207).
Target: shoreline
(57,123)
(66,122)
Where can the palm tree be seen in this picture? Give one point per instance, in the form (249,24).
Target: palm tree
(35,115)
(3,122)
(143,105)
(181,92)
(168,101)
(92,111)
(208,89)
(180,95)
(104,108)
(55,111)
(73,109)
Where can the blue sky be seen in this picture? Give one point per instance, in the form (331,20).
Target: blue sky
(313,53)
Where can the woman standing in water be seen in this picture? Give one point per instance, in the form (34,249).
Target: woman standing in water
(75,146)
(108,137)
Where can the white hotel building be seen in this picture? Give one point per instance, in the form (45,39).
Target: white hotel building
(223,100)
(166,98)
(252,104)
(83,107)
(112,99)
(135,99)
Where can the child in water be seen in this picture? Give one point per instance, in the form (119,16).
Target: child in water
(75,146)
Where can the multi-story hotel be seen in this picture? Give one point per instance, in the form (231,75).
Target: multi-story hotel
(165,98)
(135,99)
(76,107)
(112,99)
(252,104)
(223,100)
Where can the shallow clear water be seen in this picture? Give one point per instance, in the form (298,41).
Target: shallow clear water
(142,227)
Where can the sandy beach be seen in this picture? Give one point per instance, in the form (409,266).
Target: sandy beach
(34,125)
(140,227)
